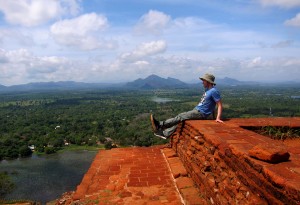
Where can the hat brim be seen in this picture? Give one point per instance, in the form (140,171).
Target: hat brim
(208,80)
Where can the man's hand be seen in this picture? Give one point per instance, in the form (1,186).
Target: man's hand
(220,121)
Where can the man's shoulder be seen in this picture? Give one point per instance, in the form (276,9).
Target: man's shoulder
(215,93)
(214,89)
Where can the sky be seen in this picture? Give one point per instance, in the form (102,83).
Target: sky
(111,41)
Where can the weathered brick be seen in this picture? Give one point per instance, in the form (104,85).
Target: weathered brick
(273,153)
(215,158)
(225,149)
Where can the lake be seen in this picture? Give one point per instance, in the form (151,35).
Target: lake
(45,178)
(161,100)
(295,97)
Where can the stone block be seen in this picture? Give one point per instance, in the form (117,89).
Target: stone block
(184,182)
(192,196)
(273,153)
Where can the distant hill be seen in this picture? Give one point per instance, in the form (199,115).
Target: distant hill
(150,82)
(231,81)
(155,82)
(61,85)
(228,81)
(49,85)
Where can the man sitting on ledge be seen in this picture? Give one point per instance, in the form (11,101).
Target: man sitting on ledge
(205,108)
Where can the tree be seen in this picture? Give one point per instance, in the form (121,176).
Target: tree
(49,150)
(24,151)
(12,153)
(108,145)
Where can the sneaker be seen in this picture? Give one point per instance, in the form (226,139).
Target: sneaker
(160,134)
(154,123)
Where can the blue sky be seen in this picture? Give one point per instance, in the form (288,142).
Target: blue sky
(122,40)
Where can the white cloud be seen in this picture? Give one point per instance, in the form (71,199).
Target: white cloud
(141,63)
(19,56)
(145,50)
(294,21)
(22,66)
(281,3)
(192,23)
(255,62)
(3,57)
(46,65)
(81,31)
(36,12)
(80,26)
(267,70)
(153,22)
(16,37)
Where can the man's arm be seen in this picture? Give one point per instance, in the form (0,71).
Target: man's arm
(220,109)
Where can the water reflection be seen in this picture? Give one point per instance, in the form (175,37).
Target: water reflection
(44,178)
(295,97)
(161,100)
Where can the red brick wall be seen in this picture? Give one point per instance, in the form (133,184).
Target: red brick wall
(216,156)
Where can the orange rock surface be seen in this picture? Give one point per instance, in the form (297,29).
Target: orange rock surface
(207,163)
(135,175)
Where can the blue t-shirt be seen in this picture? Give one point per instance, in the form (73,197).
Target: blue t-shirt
(208,101)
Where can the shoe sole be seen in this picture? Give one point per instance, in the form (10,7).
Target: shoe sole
(162,137)
(153,124)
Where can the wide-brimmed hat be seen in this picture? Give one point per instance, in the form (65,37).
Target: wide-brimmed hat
(209,78)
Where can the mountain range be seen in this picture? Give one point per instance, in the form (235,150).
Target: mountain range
(150,82)
(156,82)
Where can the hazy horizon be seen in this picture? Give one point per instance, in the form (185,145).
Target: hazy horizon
(188,82)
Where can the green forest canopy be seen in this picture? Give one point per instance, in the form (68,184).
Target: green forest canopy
(50,120)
